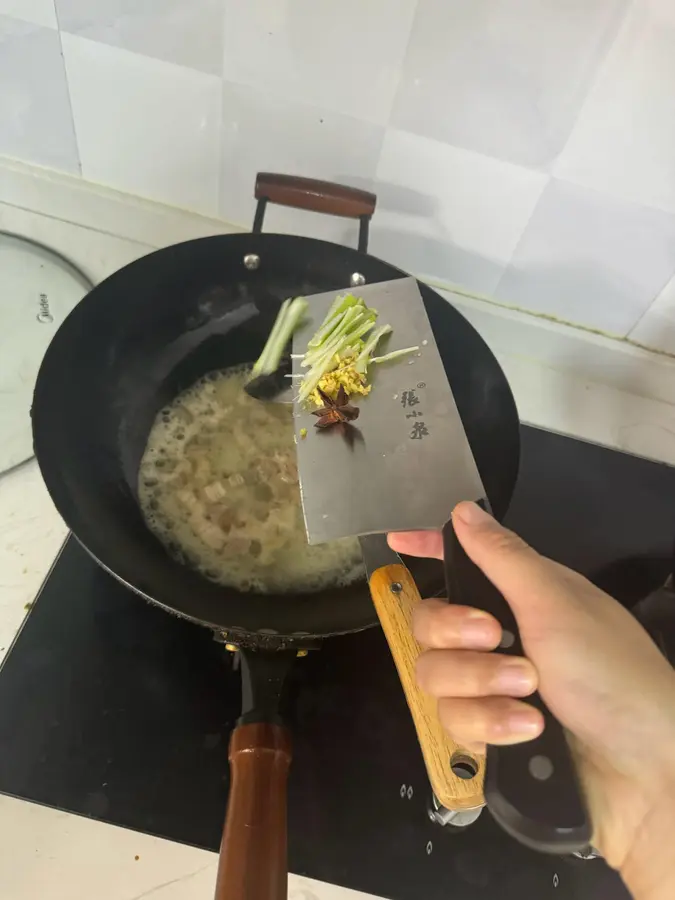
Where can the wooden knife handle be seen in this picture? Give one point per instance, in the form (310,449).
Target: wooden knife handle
(253,858)
(395,595)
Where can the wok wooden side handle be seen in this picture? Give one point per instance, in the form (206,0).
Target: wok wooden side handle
(253,854)
(314,195)
(395,595)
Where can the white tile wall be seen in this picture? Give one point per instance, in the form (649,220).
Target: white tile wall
(588,257)
(523,149)
(35,116)
(437,217)
(187,33)
(503,77)
(657,327)
(624,139)
(265,131)
(39,12)
(343,55)
(143,125)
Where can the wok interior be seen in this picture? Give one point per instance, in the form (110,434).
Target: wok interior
(151,330)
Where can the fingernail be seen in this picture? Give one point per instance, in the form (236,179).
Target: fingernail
(471,514)
(524,723)
(516,679)
(478,631)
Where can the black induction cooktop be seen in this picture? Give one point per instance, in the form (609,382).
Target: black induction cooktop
(113,709)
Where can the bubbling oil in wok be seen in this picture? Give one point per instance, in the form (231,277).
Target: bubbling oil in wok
(218,485)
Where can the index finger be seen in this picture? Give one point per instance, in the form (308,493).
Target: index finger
(417,543)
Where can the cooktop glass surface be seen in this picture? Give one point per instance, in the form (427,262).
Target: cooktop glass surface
(113,709)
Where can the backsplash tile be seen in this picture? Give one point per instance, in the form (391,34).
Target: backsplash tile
(264,132)
(501,77)
(39,12)
(143,125)
(186,33)
(34,103)
(343,56)
(588,258)
(624,139)
(437,217)
(520,149)
(657,327)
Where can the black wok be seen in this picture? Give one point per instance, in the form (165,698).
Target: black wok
(145,334)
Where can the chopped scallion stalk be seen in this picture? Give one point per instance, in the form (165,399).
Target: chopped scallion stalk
(326,330)
(394,355)
(363,359)
(289,317)
(339,305)
(339,353)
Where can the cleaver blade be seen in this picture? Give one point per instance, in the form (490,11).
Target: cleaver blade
(407,437)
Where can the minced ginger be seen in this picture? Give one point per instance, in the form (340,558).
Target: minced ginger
(344,375)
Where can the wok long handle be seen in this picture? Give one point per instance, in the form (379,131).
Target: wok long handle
(395,596)
(253,853)
(314,196)
(531,789)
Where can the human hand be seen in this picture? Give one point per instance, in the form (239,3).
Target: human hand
(595,666)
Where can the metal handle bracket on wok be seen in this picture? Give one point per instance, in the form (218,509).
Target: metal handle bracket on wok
(314,196)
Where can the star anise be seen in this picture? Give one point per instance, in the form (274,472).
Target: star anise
(335,411)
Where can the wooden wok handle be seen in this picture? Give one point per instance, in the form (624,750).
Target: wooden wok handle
(253,855)
(395,595)
(313,195)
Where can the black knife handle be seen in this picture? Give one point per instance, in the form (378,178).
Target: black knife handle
(531,789)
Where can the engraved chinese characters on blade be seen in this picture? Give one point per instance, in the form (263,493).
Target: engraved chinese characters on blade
(419,431)
(410,400)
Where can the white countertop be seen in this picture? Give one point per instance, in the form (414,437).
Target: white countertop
(563,380)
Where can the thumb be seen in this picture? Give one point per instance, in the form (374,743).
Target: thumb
(527,580)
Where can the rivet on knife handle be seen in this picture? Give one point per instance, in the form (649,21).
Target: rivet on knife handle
(531,789)
(395,595)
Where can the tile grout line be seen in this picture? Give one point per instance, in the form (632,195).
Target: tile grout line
(70,99)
